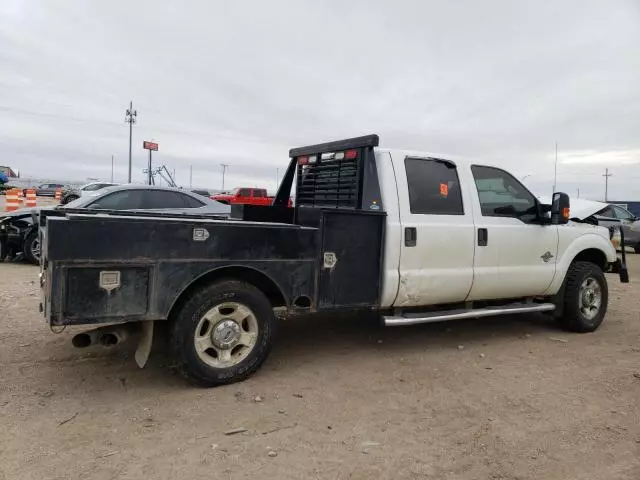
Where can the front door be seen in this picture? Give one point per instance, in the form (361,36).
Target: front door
(515,255)
(436,258)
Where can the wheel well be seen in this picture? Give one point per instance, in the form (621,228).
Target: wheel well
(258,279)
(592,255)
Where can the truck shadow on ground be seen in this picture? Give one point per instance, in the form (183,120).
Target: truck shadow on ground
(326,335)
(316,343)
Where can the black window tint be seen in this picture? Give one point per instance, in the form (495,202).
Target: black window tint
(154,199)
(259,193)
(191,202)
(501,195)
(122,200)
(244,192)
(434,188)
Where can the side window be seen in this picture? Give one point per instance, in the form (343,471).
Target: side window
(434,188)
(122,200)
(191,202)
(259,193)
(501,195)
(606,212)
(622,214)
(244,192)
(156,199)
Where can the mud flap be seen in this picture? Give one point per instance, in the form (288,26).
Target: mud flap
(144,345)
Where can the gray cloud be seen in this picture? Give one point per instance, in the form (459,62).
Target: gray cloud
(241,82)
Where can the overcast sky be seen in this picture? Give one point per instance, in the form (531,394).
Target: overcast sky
(241,82)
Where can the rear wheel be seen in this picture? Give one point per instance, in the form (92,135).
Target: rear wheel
(586,298)
(223,333)
(31,248)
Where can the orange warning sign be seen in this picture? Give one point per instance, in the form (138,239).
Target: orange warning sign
(444,189)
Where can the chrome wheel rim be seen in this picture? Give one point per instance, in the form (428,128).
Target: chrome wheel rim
(35,249)
(590,298)
(226,334)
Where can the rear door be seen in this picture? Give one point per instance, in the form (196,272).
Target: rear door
(436,258)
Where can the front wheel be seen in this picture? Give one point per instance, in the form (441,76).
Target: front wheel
(222,333)
(68,199)
(586,298)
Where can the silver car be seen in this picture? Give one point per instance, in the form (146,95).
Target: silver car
(149,198)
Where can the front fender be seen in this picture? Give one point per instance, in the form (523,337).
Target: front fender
(587,241)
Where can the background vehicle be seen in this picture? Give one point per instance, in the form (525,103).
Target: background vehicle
(414,237)
(250,196)
(19,229)
(71,194)
(630,224)
(47,189)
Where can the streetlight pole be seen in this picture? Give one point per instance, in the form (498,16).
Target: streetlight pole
(606,184)
(111,168)
(130,118)
(224,169)
(555,170)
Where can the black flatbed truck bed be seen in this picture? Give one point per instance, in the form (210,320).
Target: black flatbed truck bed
(325,254)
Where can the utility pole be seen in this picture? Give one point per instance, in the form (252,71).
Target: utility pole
(130,118)
(555,170)
(190,176)
(606,184)
(578,192)
(224,169)
(111,168)
(277,177)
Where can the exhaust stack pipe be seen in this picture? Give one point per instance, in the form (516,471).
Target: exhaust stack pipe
(114,337)
(105,336)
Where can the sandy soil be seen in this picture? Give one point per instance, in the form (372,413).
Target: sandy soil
(340,398)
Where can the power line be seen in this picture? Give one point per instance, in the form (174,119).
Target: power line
(130,118)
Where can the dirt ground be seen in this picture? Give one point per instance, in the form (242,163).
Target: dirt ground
(339,398)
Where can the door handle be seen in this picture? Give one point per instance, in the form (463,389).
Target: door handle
(410,237)
(483,237)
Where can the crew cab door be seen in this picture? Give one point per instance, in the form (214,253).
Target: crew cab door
(436,253)
(515,254)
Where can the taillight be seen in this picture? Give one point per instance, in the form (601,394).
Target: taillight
(350,154)
(303,160)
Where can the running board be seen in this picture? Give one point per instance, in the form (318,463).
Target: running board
(441,316)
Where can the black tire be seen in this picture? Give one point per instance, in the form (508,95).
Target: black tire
(68,199)
(636,248)
(574,317)
(28,249)
(185,324)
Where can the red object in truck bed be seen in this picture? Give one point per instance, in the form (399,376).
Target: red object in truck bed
(249,196)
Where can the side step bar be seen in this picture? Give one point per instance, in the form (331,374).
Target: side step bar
(441,316)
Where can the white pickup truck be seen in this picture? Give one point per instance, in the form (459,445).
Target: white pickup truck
(413,236)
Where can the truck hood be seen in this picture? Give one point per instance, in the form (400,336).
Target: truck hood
(580,208)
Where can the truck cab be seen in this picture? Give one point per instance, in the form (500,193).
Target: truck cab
(413,236)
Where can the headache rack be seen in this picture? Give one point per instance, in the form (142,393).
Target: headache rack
(331,175)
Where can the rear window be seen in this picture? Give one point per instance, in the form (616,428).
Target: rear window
(434,187)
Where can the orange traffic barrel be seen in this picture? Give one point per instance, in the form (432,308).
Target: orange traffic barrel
(31,199)
(12,201)
(58,194)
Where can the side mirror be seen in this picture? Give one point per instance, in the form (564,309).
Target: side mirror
(560,209)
